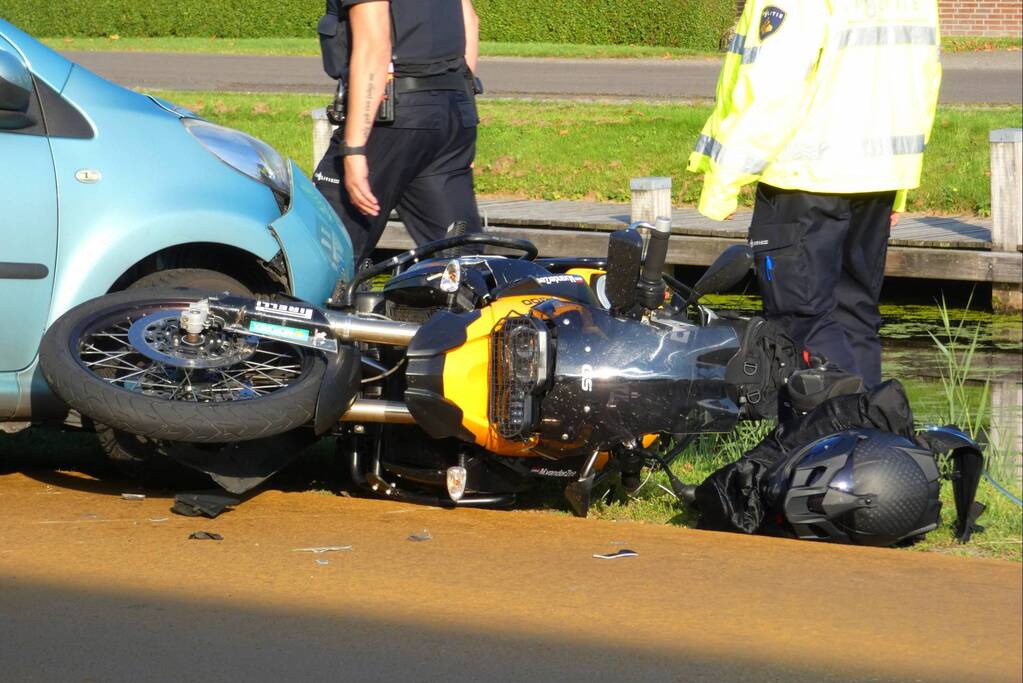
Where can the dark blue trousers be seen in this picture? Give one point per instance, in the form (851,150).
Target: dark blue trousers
(421,165)
(820,265)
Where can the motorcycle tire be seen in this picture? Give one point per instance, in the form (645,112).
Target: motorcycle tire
(149,462)
(158,417)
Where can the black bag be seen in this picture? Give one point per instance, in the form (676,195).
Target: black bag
(745,495)
(738,497)
(333,31)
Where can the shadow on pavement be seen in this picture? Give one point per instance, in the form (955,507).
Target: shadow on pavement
(52,632)
(48,454)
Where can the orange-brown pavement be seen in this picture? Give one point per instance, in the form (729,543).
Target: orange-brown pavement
(97,588)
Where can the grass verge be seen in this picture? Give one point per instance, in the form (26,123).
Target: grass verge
(569,150)
(309,47)
(954,44)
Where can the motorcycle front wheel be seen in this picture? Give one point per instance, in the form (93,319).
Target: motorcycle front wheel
(121,360)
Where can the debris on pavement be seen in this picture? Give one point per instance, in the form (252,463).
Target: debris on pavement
(322,562)
(133,496)
(205,536)
(202,503)
(420,536)
(158,519)
(624,552)
(323,549)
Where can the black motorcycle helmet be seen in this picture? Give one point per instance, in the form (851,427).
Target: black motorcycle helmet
(862,486)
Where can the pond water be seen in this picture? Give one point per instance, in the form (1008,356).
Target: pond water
(912,356)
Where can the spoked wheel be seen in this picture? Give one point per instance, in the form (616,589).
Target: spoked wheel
(124,360)
(151,355)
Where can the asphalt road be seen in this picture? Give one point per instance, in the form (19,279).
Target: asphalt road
(94,587)
(992,77)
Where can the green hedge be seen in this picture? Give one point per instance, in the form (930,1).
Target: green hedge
(143,18)
(696,24)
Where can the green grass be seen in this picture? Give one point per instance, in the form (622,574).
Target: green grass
(309,46)
(953,44)
(570,150)
(230,46)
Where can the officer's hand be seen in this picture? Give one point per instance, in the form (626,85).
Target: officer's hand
(895,219)
(357,184)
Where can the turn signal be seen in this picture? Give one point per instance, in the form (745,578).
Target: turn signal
(456,482)
(452,277)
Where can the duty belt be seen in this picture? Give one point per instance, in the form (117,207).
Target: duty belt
(453,80)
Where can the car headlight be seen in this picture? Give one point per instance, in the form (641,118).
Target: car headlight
(243,153)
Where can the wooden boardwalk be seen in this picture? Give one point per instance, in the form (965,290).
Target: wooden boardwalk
(923,247)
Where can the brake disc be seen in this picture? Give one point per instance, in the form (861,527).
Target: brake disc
(159,336)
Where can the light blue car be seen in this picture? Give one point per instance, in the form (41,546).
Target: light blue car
(103,188)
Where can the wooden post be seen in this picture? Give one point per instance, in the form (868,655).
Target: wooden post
(1007,208)
(651,198)
(323,129)
(1006,434)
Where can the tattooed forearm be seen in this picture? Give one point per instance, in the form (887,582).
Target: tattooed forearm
(371,52)
(370,105)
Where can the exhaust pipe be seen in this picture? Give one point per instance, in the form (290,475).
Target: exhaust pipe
(387,412)
(347,327)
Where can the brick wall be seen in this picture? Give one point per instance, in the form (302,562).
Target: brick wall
(981,17)
(974,17)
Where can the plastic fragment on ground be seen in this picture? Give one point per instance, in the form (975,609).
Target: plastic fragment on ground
(624,552)
(205,536)
(133,496)
(202,504)
(421,536)
(323,549)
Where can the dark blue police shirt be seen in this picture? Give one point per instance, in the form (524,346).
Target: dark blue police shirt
(429,35)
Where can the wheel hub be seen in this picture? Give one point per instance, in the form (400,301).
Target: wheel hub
(160,337)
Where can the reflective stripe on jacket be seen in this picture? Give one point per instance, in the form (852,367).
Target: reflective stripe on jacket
(829,96)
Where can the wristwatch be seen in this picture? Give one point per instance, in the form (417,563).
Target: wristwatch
(349,151)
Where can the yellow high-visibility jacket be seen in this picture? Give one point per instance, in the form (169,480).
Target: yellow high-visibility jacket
(829,96)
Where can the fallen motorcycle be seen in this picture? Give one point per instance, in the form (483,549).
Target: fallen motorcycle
(448,379)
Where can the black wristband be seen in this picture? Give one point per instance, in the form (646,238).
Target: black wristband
(349,151)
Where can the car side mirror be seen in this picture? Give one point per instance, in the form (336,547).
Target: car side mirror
(727,271)
(16,90)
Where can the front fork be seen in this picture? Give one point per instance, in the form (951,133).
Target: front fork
(299,324)
(296,323)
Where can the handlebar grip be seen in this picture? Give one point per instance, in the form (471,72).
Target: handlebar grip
(657,250)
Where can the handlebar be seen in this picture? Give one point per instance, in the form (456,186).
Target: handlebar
(430,248)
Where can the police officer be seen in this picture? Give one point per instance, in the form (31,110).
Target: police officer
(409,134)
(828,105)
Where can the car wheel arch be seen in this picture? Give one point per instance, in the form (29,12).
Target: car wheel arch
(257,274)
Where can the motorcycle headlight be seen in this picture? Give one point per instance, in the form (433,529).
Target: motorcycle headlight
(520,352)
(243,153)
